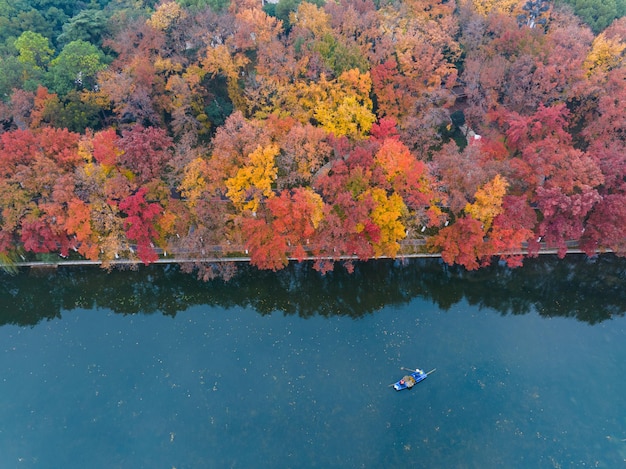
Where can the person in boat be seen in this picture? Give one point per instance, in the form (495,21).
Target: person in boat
(408,380)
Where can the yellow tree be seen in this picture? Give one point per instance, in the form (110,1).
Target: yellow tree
(349,118)
(312,19)
(488,201)
(165,16)
(387,215)
(219,60)
(255,28)
(347,107)
(194,181)
(484,7)
(408,177)
(301,98)
(254,181)
(606,53)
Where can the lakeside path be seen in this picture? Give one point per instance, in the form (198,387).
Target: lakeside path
(184,260)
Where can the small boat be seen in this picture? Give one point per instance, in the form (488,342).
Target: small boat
(411,379)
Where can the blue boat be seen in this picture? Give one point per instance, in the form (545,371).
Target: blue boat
(411,379)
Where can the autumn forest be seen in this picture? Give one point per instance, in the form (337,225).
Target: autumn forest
(351,129)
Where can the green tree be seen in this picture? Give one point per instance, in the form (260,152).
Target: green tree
(34,50)
(70,7)
(17,16)
(598,14)
(33,20)
(8,8)
(76,67)
(56,18)
(283,9)
(88,25)
(11,76)
(71,113)
(8,12)
(215,5)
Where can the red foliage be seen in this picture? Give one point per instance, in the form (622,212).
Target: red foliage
(462,243)
(512,228)
(79,225)
(564,215)
(6,242)
(347,229)
(546,122)
(140,223)
(385,128)
(606,227)
(146,152)
(390,89)
(287,230)
(267,249)
(605,131)
(460,175)
(105,147)
(17,148)
(294,219)
(404,173)
(41,236)
(61,146)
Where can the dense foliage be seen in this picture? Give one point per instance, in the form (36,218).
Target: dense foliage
(204,130)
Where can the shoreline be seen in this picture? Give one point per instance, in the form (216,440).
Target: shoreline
(240,259)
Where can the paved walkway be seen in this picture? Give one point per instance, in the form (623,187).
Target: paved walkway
(215,259)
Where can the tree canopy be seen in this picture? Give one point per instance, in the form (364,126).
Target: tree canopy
(347,130)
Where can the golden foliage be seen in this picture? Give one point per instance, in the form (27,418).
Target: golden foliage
(488,201)
(344,106)
(166,65)
(219,60)
(315,206)
(96,173)
(606,54)
(96,98)
(85,147)
(254,180)
(311,18)
(484,7)
(166,226)
(194,181)
(387,215)
(165,15)
(348,117)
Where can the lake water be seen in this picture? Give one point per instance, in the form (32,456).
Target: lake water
(155,369)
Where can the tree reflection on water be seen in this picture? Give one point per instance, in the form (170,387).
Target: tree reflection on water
(590,290)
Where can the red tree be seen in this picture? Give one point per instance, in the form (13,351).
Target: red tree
(146,152)
(512,228)
(140,223)
(105,147)
(462,243)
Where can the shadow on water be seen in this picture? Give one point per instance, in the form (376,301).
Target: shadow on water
(590,290)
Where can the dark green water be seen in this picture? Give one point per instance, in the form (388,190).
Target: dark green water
(154,369)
